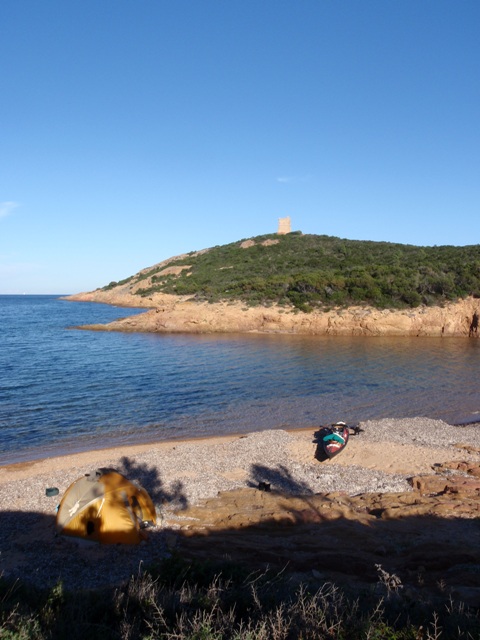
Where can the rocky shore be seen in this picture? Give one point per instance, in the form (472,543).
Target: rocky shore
(405,494)
(174,314)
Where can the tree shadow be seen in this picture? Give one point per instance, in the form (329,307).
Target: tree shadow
(32,553)
(357,545)
(409,566)
(32,550)
(278,478)
(149,478)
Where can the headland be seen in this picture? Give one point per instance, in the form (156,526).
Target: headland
(166,313)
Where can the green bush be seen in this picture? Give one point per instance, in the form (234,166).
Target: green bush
(315,271)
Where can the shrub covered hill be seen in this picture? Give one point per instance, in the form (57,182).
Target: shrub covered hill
(316,272)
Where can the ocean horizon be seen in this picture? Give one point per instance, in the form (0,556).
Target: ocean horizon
(64,390)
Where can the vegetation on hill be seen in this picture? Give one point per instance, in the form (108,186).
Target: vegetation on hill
(318,271)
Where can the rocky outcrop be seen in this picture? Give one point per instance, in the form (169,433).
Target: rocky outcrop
(174,314)
(424,541)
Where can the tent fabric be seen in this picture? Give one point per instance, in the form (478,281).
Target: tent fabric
(106,507)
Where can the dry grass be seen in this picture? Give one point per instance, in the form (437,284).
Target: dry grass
(181,601)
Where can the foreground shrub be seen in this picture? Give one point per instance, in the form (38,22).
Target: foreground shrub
(189,601)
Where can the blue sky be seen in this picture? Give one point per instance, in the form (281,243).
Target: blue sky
(135,131)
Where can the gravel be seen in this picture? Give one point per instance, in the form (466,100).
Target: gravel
(180,475)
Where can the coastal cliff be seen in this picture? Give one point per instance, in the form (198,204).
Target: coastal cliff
(176,314)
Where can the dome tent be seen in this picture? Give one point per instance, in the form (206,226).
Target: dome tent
(106,507)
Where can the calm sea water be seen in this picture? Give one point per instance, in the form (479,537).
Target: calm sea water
(65,390)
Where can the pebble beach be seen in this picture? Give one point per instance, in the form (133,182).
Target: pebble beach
(381,459)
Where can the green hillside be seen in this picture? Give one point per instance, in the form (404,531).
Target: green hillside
(310,271)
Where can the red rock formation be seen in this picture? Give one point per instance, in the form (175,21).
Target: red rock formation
(173,314)
(428,538)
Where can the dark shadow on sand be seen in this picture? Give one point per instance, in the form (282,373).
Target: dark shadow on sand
(149,478)
(31,550)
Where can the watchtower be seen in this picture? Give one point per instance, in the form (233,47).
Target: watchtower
(283,226)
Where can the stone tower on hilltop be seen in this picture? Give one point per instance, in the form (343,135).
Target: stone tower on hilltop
(283,226)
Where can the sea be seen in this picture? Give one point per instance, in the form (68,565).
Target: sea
(65,390)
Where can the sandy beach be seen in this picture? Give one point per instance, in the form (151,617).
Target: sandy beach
(182,477)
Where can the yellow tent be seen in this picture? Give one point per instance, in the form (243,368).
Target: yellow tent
(106,507)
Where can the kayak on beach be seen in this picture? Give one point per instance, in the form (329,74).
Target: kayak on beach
(332,440)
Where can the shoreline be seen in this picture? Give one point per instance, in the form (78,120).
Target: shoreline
(431,438)
(166,313)
(40,455)
(115,451)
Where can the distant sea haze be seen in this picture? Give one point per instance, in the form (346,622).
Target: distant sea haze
(64,390)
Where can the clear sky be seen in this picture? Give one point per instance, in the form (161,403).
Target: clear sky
(135,130)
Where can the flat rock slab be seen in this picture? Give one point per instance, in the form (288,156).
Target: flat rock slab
(431,542)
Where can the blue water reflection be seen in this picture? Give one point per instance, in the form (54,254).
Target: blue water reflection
(62,389)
